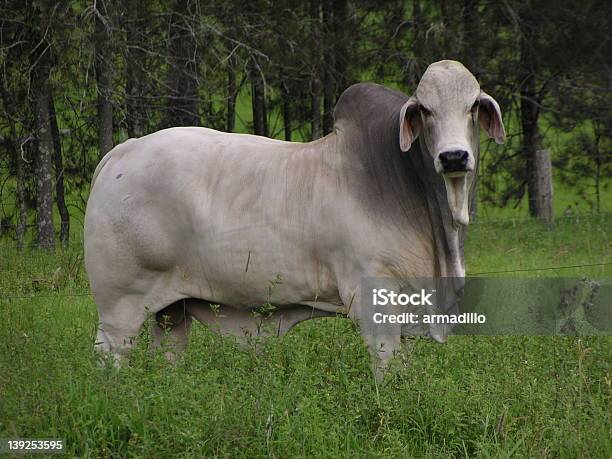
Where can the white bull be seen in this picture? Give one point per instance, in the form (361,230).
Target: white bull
(189,217)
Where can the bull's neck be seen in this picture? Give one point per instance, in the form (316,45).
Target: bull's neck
(448,237)
(403,191)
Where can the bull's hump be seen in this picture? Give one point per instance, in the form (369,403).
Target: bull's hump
(361,101)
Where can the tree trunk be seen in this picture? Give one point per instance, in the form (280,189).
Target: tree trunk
(535,169)
(135,64)
(418,48)
(315,78)
(329,100)
(15,145)
(329,87)
(285,89)
(529,112)
(231,94)
(530,139)
(598,165)
(22,219)
(287,118)
(59,175)
(43,173)
(183,100)
(471,37)
(471,59)
(474,202)
(342,28)
(258,99)
(104,76)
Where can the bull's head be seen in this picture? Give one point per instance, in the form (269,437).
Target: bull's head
(445,111)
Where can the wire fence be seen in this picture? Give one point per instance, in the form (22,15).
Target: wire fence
(547,268)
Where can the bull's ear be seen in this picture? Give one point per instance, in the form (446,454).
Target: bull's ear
(409,123)
(490,118)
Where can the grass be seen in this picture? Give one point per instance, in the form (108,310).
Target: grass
(519,244)
(311,392)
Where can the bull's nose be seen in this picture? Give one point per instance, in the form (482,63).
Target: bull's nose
(454,160)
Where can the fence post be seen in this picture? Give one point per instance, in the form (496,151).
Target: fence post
(543,170)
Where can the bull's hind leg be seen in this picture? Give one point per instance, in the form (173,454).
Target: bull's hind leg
(171,329)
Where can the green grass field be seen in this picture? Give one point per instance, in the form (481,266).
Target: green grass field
(311,392)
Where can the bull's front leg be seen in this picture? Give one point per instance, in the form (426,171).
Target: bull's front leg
(383,340)
(382,350)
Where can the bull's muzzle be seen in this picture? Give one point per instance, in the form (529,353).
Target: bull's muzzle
(454,161)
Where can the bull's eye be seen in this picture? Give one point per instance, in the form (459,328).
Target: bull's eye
(475,106)
(424,111)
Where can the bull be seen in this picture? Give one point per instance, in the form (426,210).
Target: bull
(188,218)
